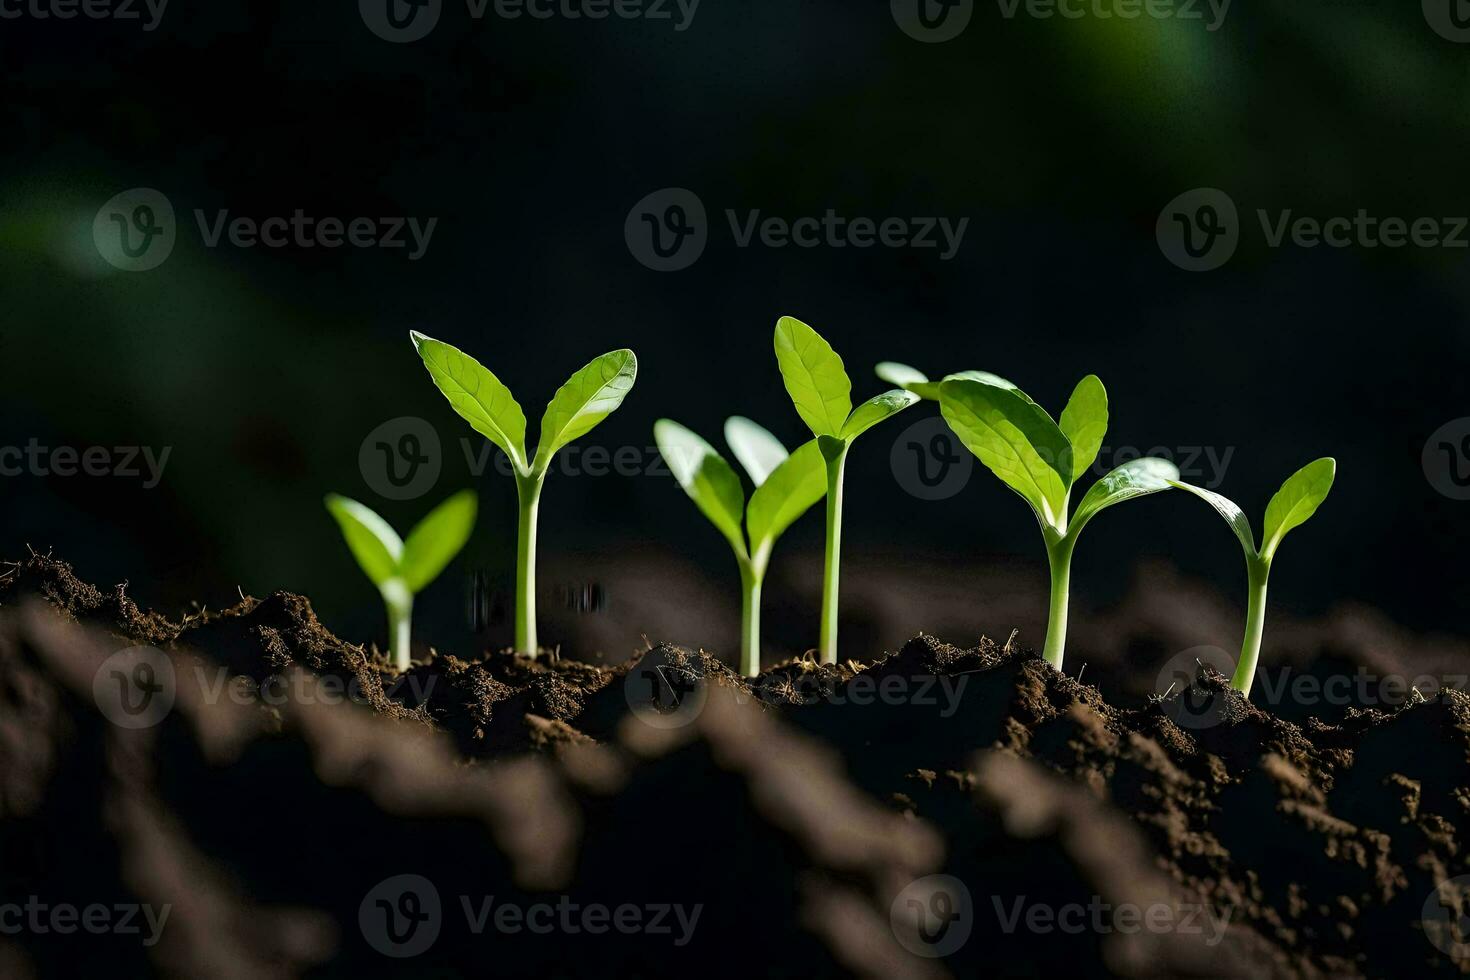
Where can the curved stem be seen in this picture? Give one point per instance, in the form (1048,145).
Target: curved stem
(750,620)
(1258,570)
(528,493)
(836,462)
(1059,559)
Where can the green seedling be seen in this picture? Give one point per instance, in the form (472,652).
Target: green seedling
(588,397)
(400,568)
(912,379)
(822,393)
(1042,460)
(786,486)
(1291,506)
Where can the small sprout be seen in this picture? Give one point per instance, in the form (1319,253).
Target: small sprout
(912,379)
(1042,460)
(819,387)
(401,569)
(1296,501)
(591,395)
(785,488)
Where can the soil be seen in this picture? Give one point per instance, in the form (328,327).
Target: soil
(800,815)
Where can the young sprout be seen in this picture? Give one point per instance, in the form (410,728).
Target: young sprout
(588,397)
(785,488)
(1296,501)
(1042,460)
(403,568)
(820,389)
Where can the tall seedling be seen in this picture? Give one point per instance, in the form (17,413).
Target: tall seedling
(822,393)
(1042,460)
(1291,506)
(588,397)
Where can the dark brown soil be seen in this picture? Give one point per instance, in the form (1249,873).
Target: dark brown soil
(1192,836)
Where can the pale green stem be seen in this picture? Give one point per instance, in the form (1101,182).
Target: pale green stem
(1059,559)
(399,601)
(750,619)
(528,493)
(1258,571)
(831,568)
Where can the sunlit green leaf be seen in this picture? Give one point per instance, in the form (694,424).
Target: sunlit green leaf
(374,543)
(435,540)
(476,394)
(814,377)
(705,476)
(756,449)
(875,410)
(1296,501)
(588,397)
(1015,439)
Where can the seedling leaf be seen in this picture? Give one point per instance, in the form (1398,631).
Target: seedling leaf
(898,374)
(912,379)
(790,491)
(435,540)
(705,476)
(588,397)
(477,395)
(875,410)
(372,541)
(1084,422)
(814,377)
(756,449)
(1296,501)
(1015,439)
(1229,510)
(1136,478)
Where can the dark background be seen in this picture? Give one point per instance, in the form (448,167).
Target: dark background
(1060,140)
